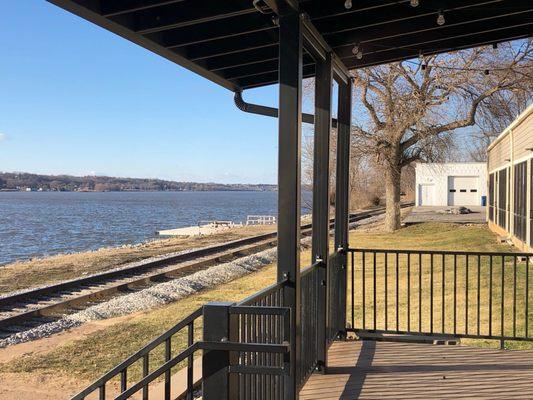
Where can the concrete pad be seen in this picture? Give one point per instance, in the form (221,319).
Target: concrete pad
(435,214)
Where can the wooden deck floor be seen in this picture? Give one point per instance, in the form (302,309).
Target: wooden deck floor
(386,370)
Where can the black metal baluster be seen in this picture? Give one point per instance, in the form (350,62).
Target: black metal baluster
(408,292)
(124,380)
(397,292)
(386,256)
(374,293)
(352,294)
(431,295)
(146,367)
(168,345)
(466,295)
(502,319)
(420,292)
(490,296)
(190,362)
(364,291)
(455,294)
(514,296)
(527,297)
(249,358)
(443,292)
(101,392)
(478,293)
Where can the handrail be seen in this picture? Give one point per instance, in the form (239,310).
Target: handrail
(263,293)
(309,269)
(138,355)
(440,252)
(159,371)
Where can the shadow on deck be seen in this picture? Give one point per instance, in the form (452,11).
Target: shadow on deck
(385,370)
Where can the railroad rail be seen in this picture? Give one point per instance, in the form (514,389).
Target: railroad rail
(27,309)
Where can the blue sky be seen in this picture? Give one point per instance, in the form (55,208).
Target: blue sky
(77,99)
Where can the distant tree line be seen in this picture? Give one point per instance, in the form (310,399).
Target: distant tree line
(67,183)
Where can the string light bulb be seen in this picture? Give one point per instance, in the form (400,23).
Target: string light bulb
(348,4)
(359,55)
(440,19)
(414,3)
(355,49)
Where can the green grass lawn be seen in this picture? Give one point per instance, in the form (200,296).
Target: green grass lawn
(95,354)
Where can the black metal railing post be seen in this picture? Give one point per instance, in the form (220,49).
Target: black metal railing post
(219,326)
(289,176)
(339,267)
(320,239)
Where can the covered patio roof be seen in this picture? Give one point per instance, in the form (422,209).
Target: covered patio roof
(235,43)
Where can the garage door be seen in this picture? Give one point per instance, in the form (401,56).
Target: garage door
(463,191)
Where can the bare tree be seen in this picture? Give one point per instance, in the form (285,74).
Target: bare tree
(408,111)
(498,112)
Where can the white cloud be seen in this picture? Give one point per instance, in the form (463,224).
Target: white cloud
(3,137)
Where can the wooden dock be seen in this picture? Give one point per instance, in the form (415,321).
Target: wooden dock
(385,370)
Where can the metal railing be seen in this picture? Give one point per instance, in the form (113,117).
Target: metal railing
(263,328)
(309,323)
(462,294)
(245,353)
(165,340)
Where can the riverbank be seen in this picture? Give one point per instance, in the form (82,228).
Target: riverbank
(43,271)
(83,353)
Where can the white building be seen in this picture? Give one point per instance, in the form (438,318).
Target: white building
(451,184)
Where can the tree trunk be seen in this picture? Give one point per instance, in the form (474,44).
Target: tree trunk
(392,197)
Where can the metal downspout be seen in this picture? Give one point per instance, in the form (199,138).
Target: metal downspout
(270,111)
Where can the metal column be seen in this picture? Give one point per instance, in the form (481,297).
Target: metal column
(338,322)
(321,176)
(219,325)
(289,160)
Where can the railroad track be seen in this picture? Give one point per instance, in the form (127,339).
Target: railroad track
(25,310)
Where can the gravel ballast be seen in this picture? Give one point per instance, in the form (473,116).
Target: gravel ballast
(151,297)
(161,294)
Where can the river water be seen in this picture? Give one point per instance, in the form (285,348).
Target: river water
(36,224)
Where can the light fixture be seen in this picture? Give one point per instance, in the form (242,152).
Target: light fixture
(414,3)
(440,19)
(348,4)
(355,48)
(359,55)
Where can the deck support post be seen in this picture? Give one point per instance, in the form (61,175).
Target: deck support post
(321,199)
(289,179)
(219,326)
(337,322)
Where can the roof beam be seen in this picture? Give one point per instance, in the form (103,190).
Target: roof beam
(112,8)
(422,41)
(215,30)
(383,27)
(444,45)
(183,14)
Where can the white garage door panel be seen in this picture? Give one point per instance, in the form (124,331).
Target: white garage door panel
(463,191)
